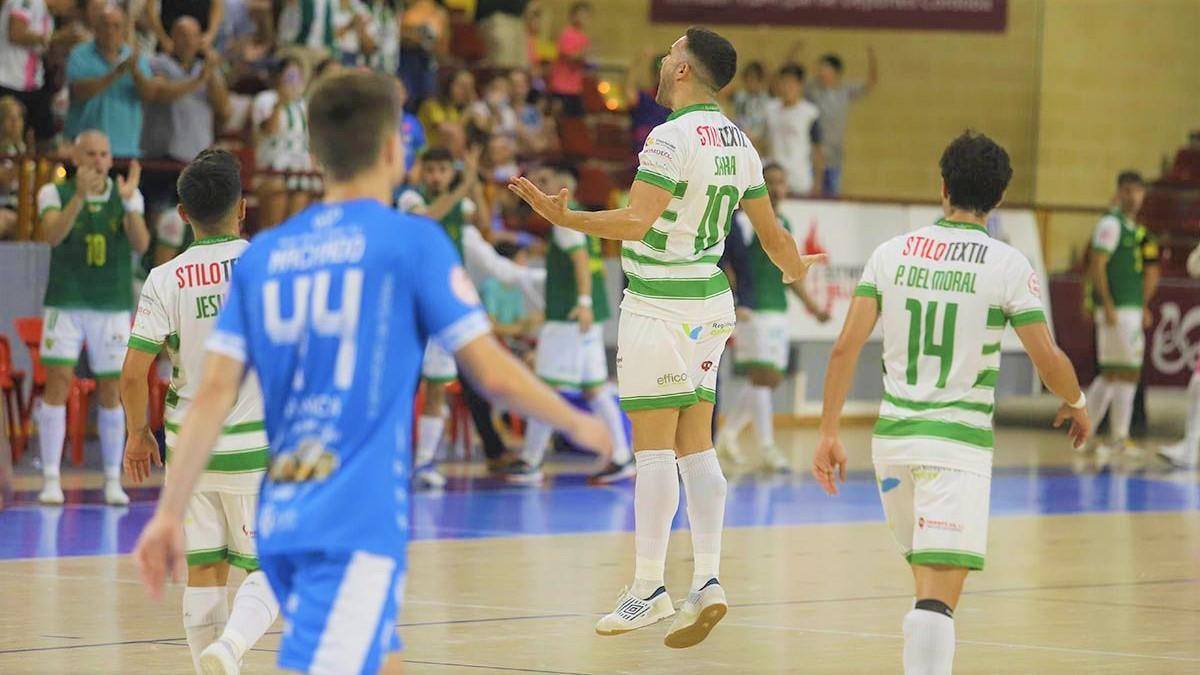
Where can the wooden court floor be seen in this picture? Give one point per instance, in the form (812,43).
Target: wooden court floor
(1114,592)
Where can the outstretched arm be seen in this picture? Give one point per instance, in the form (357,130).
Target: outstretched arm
(830,457)
(631,223)
(777,242)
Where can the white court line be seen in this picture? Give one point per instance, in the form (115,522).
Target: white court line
(982,643)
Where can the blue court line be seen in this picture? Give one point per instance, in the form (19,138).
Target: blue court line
(482,508)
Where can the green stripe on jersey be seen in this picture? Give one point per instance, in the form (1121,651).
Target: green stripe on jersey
(240,428)
(1027,317)
(995,318)
(759,190)
(991,348)
(955,432)
(669,215)
(679,289)
(655,179)
(865,290)
(141,344)
(987,378)
(240,462)
(680,189)
(974,406)
(647,260)
(655,239)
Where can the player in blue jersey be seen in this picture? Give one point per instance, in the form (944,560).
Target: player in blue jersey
(332,310)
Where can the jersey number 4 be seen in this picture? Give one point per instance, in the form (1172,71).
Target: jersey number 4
(917,346)
(310,309)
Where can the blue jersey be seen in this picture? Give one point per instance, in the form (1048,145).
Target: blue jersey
(332,310)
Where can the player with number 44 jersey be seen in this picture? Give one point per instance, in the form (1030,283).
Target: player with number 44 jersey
(943,295)
(676,318)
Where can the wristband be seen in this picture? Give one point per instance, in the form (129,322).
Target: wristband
(584,301)
(135,204)
(1081,403)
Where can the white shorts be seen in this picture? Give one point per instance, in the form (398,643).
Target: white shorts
(762,342)
(1122,346)
(219,526)
(64,332)
(438,364)
(664,364)
(570,360)
(939,516)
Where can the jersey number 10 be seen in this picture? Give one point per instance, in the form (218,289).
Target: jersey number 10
(714,224)
(310,309)
(944,352)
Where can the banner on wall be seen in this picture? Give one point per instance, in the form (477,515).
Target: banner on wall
(958,15)
(849,232)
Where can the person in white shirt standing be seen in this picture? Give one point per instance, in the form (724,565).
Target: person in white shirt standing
(943,295)
(25,30)
(178,309)
(793,132)
(676,318)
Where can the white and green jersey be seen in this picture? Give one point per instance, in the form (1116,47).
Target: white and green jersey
(178,308)
(709,165)
(945,293)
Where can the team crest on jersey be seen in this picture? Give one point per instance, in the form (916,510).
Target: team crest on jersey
(310,461)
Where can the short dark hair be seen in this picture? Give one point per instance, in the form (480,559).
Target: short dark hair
(350,117)
(792,70)
(833,61)
(755,68)
(437,154)
(565,169)
(1129,176)
(976,171)
(508,249)
(772,165)
(210,187)
(716,56)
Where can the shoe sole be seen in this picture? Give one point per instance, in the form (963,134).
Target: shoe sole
(211,664)
(690,636)
(610,633)
(51,502)
(609,480)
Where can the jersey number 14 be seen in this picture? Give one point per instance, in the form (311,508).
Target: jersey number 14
(310,309)
(917,346)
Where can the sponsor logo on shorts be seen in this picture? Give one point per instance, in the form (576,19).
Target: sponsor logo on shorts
(719,328)
(933,524)
(248,532)
(889,484)
(693,332)
(672,378)
(706,366)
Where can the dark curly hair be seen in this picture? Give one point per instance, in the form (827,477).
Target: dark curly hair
(976,171)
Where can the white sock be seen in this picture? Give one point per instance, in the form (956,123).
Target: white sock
(604,404)
(254,610)
(1191,435)
(741,411)
(928,643)
(705,487)
(1122,409)
(52,432)
(1099,395)
(537,435)
(205,611)
(655,500)
(429,429)
(110,423)
(764,424)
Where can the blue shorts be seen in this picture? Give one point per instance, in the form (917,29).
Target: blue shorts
(339,609)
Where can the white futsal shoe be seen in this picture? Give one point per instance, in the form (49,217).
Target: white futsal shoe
(51,493)
(775,460)
(114,495)
(633,612)
(218,659)
(1179,455)
(728,446)
(702,610)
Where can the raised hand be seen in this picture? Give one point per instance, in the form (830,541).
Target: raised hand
(127,186)
(553,209)
(89,180)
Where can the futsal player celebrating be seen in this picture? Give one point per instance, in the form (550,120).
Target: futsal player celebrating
(178,309)
(676,316)
(332,310)
(943,295)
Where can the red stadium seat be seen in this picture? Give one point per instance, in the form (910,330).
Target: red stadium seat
(595,187)
(593,100)
(465,41)
(11,383)
(575,137)
(614,142)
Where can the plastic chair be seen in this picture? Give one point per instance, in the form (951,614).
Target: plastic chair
(29,330)
(11,387)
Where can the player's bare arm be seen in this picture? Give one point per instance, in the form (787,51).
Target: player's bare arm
(135,223)
(160,550)
(631,223)
(504,379)
(806,299)
(1056,371)
(829,459)
(582,313)
(141,448)
(1098,271)
(779,244)
(1150,281)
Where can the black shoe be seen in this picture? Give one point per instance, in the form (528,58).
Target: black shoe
(613,473)
(523,473)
